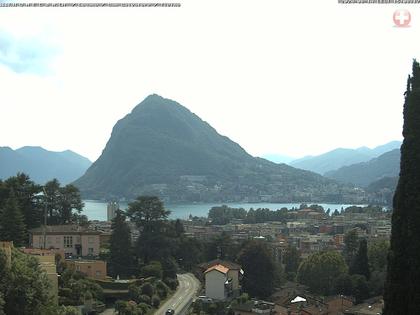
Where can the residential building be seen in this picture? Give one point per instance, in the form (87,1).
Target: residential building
(72,239)
(221,279)
(46,260)
(95,269)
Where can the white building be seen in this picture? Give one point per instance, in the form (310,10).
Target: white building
(111,210)
(222,281)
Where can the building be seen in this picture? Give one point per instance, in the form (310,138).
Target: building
(72,239)
(111,210)
(46,260)
(95,269)
(221,279)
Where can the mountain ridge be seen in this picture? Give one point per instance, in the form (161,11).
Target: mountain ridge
(163,148)
(42,165)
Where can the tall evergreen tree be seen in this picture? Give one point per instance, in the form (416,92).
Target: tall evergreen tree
(360,264)
(259,269)
(121,254)
(402,289)
(12,225)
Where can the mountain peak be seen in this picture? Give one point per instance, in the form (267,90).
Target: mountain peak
(162,148)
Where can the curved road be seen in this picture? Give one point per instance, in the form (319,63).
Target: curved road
(186,291)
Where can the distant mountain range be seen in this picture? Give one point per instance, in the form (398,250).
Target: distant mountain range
(335,159)
(278,158)
(42,165)
(364,173)
(161,148)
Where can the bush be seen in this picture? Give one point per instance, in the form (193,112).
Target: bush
(155,301)
(172,283)
(147,289)
(154,269)
(145,299)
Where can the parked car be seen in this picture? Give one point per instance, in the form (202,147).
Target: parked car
(170,311)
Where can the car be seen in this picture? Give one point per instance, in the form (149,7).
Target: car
(170,311)
(205,299)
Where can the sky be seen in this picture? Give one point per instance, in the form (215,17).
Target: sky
(289,77)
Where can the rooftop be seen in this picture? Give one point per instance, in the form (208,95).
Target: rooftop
(60,229)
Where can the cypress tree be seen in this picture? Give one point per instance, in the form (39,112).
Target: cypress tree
(121,254)
(402,289)
(360,264)
(12,225)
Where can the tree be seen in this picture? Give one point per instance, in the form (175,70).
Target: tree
(12,225)
(259,269)
(360,264)
(156,234)
(402,289)
(120,250)
(61,202)
(291,259)
(319,271)
(25,192)
(26,290)
(377,254)
(351,245)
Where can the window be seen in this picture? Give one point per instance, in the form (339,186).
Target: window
(98,273)
(48,239)
(90,239)
(57,240)
(68,241)
(78,268)
(90,251)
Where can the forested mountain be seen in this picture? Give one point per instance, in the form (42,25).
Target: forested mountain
(42,165)
(161,148)
(340,157)
(365,173)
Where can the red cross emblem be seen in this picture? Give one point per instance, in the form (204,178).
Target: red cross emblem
(402,18)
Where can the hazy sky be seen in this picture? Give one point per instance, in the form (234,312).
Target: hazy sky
(289,77)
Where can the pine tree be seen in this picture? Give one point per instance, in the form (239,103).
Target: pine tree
(360,264)
(402,289)
(121,254)
(12,225)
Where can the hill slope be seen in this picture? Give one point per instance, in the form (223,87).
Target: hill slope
(162,148)
(42,165)
(365,173)
(340,157)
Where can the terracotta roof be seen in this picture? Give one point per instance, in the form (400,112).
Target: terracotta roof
(219,268)
(225,263)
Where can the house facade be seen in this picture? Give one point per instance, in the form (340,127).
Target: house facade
(72,239)
(222,280)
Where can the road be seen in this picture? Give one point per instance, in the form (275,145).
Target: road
(186,291)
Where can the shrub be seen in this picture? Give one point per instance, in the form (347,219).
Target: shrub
(147,289)
(155,301)
(145,299)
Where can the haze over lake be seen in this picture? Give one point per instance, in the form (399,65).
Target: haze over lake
(96,210)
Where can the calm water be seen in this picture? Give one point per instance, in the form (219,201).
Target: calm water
(96,210)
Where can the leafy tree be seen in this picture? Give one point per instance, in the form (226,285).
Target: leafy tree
(61,201)
(343,284)
(377,254)
(25,287)
(291,259)
(402,290)
(351,245)
(12,225)
(259,269)
(190,252)
(360,288)
(25,192)
(221,246)
(319,270)
(154,269)
(120,251)
(156,235)
(360,264)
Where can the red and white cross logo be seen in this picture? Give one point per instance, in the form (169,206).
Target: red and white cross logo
(402,18)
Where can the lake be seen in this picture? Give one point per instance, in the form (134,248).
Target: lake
(96,210)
